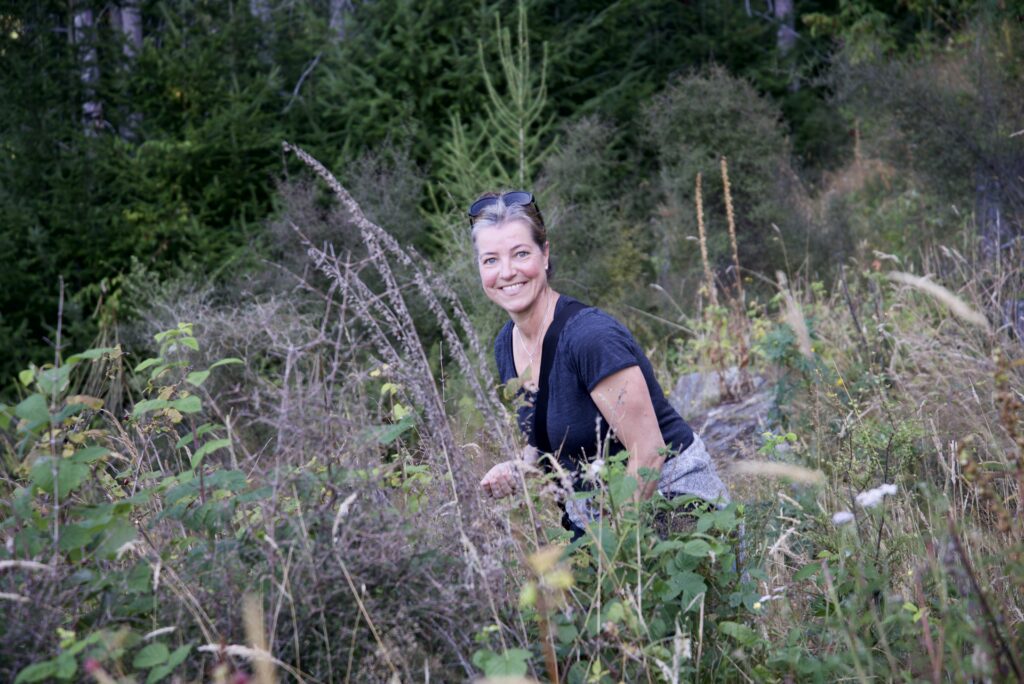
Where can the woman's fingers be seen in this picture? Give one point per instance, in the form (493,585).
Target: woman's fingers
(499,482)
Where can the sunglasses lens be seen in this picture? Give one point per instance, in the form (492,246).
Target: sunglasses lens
(518,197)
(477,207)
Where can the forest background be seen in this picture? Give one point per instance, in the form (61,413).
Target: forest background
(150,212)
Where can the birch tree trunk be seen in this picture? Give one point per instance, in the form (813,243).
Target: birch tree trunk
(83,36)
(128,18)
(785,37)
(339,8)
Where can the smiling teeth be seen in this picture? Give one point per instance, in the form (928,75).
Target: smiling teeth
(511,289)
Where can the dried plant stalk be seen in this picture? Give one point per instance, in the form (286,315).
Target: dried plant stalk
(709,280)
(795,317)
(731,218)
(957,306)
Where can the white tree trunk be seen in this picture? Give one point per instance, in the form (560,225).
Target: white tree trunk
(83,36)
(339,8)
(131,26)
(260,9)
(128,20)
(785,39)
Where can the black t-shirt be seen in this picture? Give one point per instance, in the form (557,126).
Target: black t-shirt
(593,345)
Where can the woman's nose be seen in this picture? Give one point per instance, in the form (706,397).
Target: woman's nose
(507,270)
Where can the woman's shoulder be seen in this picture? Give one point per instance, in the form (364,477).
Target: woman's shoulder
(594,321)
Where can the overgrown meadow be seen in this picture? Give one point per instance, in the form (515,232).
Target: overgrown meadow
(271,474)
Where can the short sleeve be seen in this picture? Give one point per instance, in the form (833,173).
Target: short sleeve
(600,346)
(502,353)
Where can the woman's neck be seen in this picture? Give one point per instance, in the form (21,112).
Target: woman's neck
(533,322)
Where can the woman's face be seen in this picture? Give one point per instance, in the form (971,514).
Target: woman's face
(512,266)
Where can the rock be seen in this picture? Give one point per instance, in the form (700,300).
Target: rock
(729,409)
(695,393)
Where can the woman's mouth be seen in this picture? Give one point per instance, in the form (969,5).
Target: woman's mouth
(512,289)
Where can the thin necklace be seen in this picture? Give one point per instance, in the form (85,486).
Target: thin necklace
(536,347)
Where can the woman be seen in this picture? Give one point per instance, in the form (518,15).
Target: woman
(597,387)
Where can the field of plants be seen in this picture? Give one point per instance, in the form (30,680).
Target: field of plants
(245,415)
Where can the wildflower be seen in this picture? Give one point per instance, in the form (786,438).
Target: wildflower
(594,469)
(842,518)
(757,605)
(873,497)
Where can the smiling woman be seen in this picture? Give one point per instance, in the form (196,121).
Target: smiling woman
(588,385)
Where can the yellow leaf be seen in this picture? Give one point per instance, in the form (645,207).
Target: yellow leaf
(94,403)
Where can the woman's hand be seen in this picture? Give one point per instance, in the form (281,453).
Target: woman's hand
(502,480)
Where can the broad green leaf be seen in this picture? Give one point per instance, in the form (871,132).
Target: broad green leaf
(66,666)
(55,379)
(806,572)
(390,433)
(158,673)
(200,431)
(226,362)
(622,489)
(147,363)
(151,656)
(117,534)
(148,405)
(741,633)
(27,376)
(75,537)
(190,404)
(33,409)
(90,454)
(179,655)
(197,378)
(92,354)
(669,545)
(697,547)
(207,448)
(37,672)
(511,663)
(69,475)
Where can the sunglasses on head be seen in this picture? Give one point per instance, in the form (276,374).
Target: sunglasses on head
(520,197)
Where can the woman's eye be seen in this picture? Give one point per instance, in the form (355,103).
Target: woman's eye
(489,261)
(522,254)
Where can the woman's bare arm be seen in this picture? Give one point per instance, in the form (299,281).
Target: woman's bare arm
(625,402)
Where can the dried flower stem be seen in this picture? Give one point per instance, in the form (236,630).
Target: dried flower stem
(709,281)
(731,218)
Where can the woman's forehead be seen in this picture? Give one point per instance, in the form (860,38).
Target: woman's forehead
(504,236)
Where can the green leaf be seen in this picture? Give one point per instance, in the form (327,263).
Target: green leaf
(511,663)
(741,633)
(158,673)
(207,448)
(179,655)
(697,547)
(197,378)
(55,379)
(148,405)
(147,363)
(622,489)
(390,433)
(190,404)
(226,362)
(33,409)
(117,534)
(90,454)
(664,546)
(76,537)
(806,572)
(151,656)
(91,354)
(26,376)
(200,431)
(69,475)
(66,666)
(37,672)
